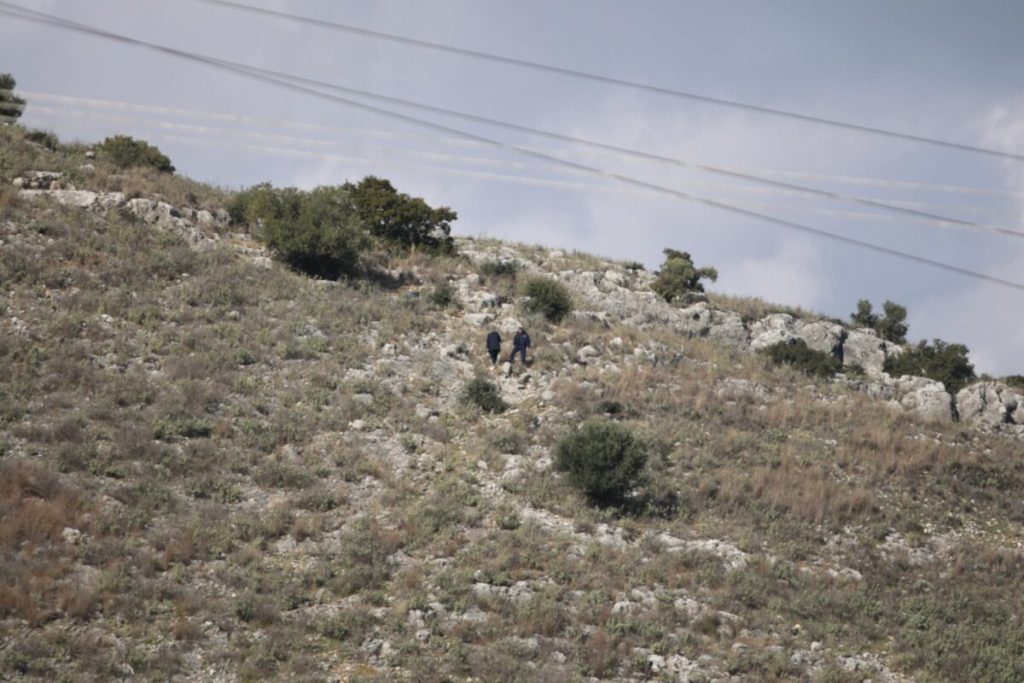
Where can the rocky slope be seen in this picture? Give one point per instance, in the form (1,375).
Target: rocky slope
(243,474)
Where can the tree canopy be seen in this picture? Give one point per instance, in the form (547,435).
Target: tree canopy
(891,326)
(939,360)
(678,275)
(11,106)
(400,220)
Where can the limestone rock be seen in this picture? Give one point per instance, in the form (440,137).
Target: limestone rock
(586,353)
(703,320)
(864,348)
(80,198)
(990,404)
(163,216)
(927,397)
(771,330)
(821,335)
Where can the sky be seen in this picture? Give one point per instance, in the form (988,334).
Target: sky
(932,68)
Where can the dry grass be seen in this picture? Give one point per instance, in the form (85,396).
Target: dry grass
(754,308)
(35,507)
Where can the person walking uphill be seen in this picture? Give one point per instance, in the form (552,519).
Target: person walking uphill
(494,346)
(520,343)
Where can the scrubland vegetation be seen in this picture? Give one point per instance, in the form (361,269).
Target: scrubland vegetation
(218,470)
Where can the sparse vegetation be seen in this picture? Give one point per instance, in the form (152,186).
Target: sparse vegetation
(214,467)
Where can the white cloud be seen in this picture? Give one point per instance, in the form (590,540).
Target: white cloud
(794,275)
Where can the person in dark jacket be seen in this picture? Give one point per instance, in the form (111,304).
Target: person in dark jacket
(494,346)
(520,343)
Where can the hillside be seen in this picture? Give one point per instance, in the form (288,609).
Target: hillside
(215,468)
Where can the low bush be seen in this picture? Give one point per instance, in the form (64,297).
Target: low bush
(1015,381)
(317,232)
(484,394)
(443,295)
(498,268)
(603,459)
(43,137)
(939,360)
(125,151)
(548,297)
(796,353)
(507,441)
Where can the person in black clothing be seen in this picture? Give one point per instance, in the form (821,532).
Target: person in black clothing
(520,343)
(494,346)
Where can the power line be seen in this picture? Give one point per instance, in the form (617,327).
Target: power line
(637,154)
(68,111)
(277,76)
(518,179)
(609,80)
(18,12)
(253,120)
(234,118)
(885,206)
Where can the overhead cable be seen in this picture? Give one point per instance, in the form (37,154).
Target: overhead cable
(71,112)
(19,12)
(307,126)
(278,76)
(609,80)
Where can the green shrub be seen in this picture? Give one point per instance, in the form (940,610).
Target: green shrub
(398,220)
(602,459)
(317,232)
(942,361)
(1015,381)
(10,105)
(484,394)
(507,441)
(678,275)
(892,326)
(443,295)
(45,138)
(498,268)
(253,204)
(548,297)
(125,151)
(796,353)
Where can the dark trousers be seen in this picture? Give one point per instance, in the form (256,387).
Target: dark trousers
(494,355)
(522,354)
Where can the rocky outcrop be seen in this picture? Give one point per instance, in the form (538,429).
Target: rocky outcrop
(704,320)
(163,216)
(199,227)
(991,405)
(926,397)
(41,180)
(863,347)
